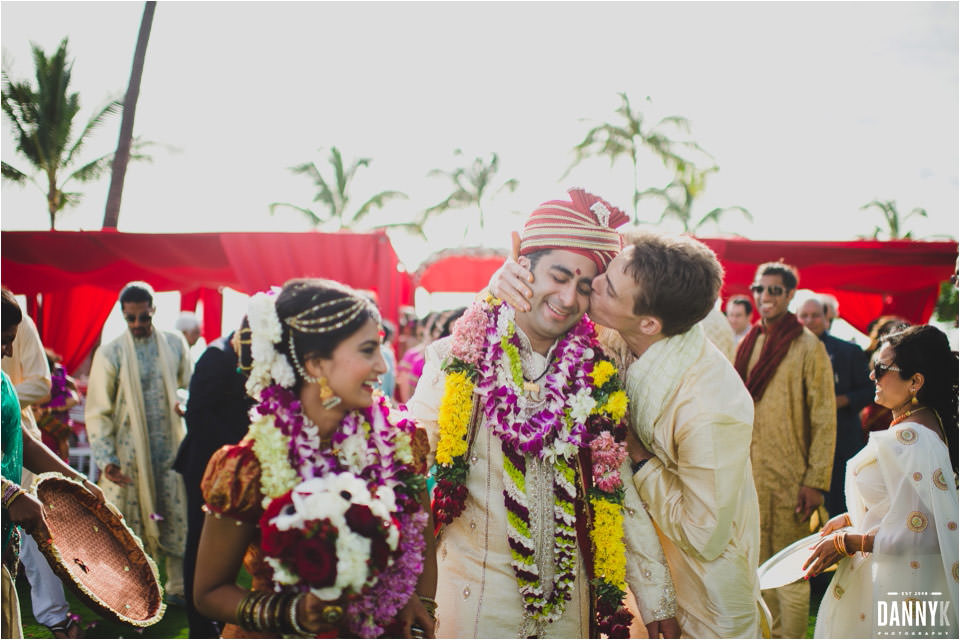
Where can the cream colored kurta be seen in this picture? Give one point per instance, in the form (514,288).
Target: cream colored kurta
(477,591)
(699,491)
(794,434)
(114,440)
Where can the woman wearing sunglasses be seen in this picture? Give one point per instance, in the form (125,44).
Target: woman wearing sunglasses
(897,545)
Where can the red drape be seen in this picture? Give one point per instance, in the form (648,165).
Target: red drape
(72,320)
(868,278)
(77,272)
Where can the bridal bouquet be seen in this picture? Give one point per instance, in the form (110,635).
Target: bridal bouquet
(330,535)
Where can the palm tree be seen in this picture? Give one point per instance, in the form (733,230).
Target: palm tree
(335,200)
(629,138)
(112,213)
(894,221)
(471,185)
(43,120)
(680,195)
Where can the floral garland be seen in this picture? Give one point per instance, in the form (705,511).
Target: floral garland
(371,450)
(266,331)
(583,407)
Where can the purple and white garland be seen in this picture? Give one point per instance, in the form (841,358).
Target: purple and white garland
(375,446)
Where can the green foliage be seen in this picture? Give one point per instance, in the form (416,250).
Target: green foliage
(335,199)
(43,120)
(629,137)
(470,185)
(895,229)
(947,303)
(679,197)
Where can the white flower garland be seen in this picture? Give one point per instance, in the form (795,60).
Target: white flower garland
(265,332)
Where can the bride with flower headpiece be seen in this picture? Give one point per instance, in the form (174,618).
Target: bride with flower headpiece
(324,501)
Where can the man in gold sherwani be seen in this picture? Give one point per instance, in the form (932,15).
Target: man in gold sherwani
(787,371)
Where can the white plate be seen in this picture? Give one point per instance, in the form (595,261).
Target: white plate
(783,567)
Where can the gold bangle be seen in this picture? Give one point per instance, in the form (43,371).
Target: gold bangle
(838,544)
(294,623)
(430,605)
(849,522)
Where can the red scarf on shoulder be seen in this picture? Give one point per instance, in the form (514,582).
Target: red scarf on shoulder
(775,348)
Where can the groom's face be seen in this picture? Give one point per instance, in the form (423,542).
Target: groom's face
(561,294)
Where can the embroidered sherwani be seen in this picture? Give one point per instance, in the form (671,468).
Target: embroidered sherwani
(477,592)
(794,432)
(698,421)
(112,441)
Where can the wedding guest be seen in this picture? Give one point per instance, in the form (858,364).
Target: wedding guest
(897,544)
(787,371)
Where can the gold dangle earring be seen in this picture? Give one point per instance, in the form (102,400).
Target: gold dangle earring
(327,397)
(913,398)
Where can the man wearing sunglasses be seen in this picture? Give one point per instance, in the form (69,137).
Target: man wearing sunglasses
(135,427)
(788,373)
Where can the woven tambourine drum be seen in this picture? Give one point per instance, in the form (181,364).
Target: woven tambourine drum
(96,554)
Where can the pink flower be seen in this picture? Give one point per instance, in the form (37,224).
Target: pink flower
(607,451)
(609,482)
(469,334)
(156,517)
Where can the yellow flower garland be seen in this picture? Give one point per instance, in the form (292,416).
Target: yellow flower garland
(609,551)
(602,372)
(616,405)
(456,408)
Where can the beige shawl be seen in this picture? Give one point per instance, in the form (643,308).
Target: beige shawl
(129,390)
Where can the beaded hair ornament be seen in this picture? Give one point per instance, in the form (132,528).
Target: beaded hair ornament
(305,322)
(266,331)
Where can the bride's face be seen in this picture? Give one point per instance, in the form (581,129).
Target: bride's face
(354,367)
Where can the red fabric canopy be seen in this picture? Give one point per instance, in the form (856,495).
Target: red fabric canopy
(868,278)
(79,274)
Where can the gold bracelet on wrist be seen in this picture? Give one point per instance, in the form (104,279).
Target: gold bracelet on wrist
(430,605)
(838,543)
(292,613)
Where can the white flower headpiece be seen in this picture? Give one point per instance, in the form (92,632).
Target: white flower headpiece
(265,332)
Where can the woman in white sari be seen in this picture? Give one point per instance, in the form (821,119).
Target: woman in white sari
(897,545)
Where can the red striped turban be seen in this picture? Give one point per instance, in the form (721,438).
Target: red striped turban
(586,224)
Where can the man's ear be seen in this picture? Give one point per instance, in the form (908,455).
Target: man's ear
(650,325)
(524,262)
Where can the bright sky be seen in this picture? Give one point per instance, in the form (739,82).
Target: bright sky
(810,109)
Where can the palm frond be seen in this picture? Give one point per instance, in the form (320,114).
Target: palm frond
(92,170)
(93,123)
(13,174)
(310,215)
(377,202)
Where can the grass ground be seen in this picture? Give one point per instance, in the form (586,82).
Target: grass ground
(172,625)
(174,621)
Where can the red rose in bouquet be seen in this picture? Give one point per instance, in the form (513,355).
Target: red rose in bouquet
(329,534)
(272,540)
(315,556)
